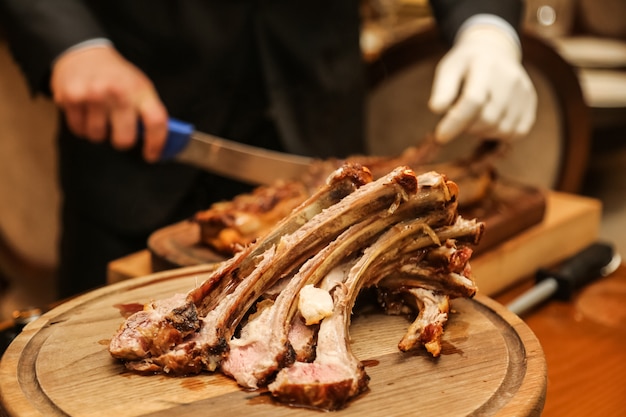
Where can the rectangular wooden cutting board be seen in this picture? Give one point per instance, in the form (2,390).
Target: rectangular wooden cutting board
(571,223)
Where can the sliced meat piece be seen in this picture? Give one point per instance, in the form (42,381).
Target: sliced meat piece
(302,339)
(426,282)
(165,323)
(427,328)
(335,376)
(242,220)
(155,329)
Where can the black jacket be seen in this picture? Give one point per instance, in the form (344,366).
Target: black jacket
(232,67)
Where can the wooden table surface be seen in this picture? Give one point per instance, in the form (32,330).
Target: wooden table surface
(584,342)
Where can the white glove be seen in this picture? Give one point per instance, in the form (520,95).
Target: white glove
(497,100)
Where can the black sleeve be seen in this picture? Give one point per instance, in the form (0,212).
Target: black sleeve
(39,30)
(450,14)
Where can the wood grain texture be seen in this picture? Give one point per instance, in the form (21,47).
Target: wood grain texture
(491,364)
(583,341)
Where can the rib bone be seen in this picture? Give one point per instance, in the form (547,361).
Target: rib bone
(264,347)
(286,255)
(151,332)
(398,233)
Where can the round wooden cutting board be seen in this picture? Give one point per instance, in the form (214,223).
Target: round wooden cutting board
(491,364)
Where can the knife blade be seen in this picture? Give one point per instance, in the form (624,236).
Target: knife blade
(246,163)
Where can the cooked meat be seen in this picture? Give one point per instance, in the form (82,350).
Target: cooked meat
(425,283)
(150,333)
(252,273)
(438,273)
(302,340)
(155,329)
(335,376)
(427,329)
(264,342)
(226,226)
(279,310)
(231,224)
(339,184)
(416,263)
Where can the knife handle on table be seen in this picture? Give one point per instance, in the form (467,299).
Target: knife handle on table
(587,265)
(593,262)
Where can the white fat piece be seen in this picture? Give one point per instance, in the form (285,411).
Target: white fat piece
(314,304)
(429,179)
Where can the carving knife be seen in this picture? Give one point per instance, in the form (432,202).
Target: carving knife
(246,163)
(595,261)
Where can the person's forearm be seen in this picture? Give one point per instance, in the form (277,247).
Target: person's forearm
(452,14)
(38,31)
(492,20)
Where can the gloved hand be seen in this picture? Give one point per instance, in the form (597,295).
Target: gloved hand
(482,87)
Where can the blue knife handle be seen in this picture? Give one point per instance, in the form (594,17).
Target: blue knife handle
(178,135)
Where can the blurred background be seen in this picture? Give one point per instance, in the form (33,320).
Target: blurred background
(588,36)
